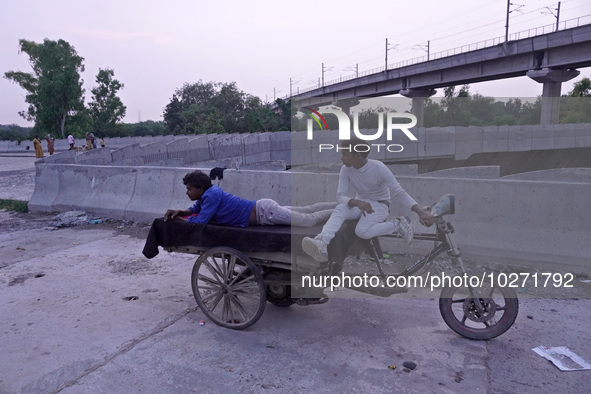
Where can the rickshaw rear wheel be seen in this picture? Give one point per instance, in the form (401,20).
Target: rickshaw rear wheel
(229,288)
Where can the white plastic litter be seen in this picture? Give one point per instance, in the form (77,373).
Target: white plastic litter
(563,358)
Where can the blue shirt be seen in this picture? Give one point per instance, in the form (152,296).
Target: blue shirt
(218,207)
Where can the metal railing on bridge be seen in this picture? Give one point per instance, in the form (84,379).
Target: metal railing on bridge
(533,32)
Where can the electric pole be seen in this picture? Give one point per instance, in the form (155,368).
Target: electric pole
(426,48)
(323,70)
(557,15)
(387,49)
(509,4)
(507,21)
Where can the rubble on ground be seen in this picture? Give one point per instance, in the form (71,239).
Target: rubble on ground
(73,218)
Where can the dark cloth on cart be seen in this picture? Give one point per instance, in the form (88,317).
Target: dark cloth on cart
(252,239)
(249,239)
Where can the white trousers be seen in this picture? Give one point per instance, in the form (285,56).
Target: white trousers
(270,212)
(369,226)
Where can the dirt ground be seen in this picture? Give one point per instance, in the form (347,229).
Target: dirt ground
(15,221)
(17,182)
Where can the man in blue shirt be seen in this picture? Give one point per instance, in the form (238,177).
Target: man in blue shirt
(213,205)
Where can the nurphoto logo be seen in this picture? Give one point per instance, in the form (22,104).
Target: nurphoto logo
(391,118)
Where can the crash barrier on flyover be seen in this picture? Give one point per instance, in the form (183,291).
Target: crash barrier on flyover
(538,216)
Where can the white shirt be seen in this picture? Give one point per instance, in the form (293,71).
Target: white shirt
(372,182)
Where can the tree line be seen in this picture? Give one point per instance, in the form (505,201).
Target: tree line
(214,107)
(56,103)
(461,108)
(55,95)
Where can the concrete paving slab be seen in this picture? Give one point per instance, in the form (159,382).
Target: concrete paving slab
(68,309)
(345,345)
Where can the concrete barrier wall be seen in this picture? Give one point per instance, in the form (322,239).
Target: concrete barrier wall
(154,152)
(14,146)
(294,149)
(67,157)
(99,156)
(176,148)
(126,153)
(280,146)
(257,148)
(152,191)
(541,218)
(510,218)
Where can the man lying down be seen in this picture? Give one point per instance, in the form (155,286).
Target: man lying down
(213,205)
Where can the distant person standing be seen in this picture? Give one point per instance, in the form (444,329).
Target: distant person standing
(50,141)
(102,142)
(93,140)
(71,141)
(38,147)
(88,141)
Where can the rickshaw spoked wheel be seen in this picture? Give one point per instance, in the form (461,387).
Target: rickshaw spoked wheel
(229,288)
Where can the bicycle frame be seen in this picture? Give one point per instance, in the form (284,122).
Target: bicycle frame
(443,243)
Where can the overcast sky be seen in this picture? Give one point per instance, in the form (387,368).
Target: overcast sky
(155,47)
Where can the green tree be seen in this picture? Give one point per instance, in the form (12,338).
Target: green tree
(369,118)
(258,116)
(230,102)
(284,114)
(575,106)
(79,125)
(456,106)
(191,110)
(433,113)
(463,109)
(106,108)
(14,132)
(530,112)
(205,108)
(581,88)
(146,128)
(54,88)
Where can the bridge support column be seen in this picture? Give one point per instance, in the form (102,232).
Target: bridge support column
(418,97)
(552,80)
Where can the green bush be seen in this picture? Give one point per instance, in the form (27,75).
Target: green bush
(14,205)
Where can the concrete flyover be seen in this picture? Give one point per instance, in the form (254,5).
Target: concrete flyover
(548,58)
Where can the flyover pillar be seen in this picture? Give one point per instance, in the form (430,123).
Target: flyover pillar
(346,104)
(418,97)
(552,80)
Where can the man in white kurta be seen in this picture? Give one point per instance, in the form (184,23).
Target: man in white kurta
(375,186)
